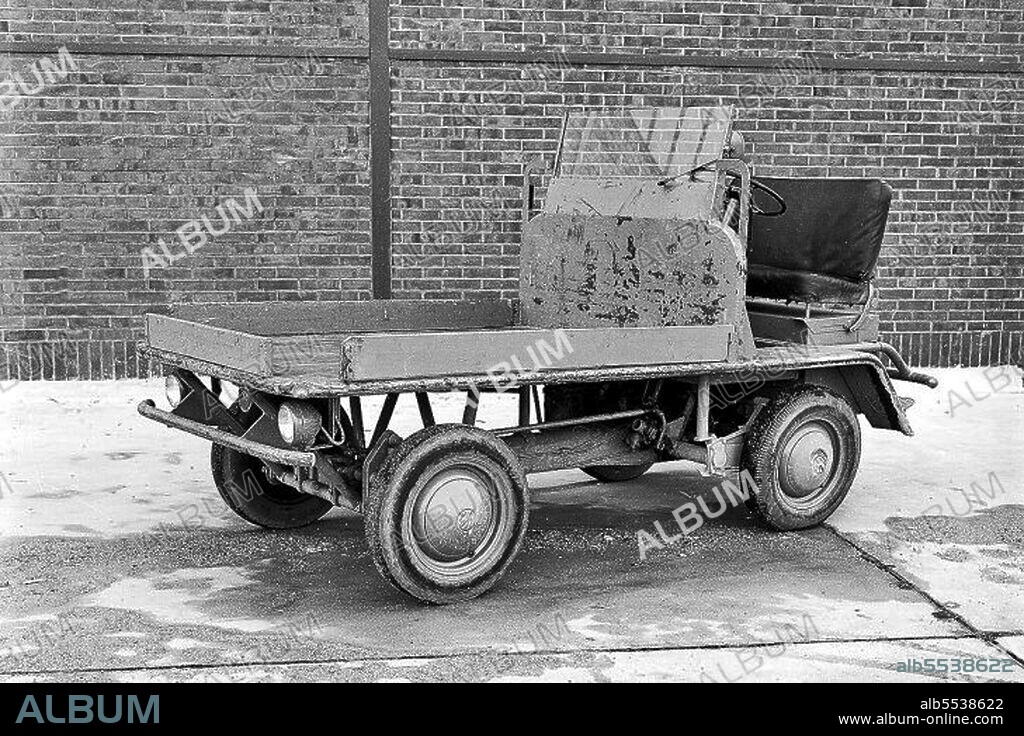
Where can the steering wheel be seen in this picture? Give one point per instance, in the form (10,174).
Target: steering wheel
(755,209)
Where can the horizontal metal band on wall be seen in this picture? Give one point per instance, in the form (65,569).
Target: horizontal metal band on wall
(583,58)
(186,50)
(822,63)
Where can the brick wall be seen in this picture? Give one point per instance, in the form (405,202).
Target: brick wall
(130,146)
(909,29)
(171,113)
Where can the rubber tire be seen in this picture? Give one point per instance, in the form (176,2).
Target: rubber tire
(390,487)
(250,494)
(761,455)
(616,473)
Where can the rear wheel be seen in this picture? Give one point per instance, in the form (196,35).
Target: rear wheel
(447,513)
(252,495)
(802,453)
(616,473)
(572,402)
(248,491)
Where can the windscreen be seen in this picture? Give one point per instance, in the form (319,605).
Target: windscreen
(642,143)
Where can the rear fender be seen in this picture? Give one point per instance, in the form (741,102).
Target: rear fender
(868,389)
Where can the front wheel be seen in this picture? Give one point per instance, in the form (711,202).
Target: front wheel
(802,453)
(447,513)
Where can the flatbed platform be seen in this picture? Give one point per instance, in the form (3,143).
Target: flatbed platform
(362,348)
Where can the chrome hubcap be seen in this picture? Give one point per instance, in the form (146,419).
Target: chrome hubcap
(808,460)
(459,520)
(454,514)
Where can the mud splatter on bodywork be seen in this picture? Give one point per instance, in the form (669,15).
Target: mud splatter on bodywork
(590,271)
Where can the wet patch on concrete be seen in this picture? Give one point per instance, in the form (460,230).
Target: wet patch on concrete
(973,564)
(992,526)
(184,596)
(121,455)
(56,495)
(82,529)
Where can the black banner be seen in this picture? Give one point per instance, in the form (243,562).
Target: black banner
(176,708)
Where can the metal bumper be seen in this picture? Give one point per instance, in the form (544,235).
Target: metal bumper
(901,371)
(218,436)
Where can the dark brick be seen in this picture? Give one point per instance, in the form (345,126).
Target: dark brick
(42,274)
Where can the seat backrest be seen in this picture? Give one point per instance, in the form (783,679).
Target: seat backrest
(824,248)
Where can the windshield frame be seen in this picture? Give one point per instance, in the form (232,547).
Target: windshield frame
(676,160)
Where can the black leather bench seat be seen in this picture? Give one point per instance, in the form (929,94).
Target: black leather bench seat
(824,248)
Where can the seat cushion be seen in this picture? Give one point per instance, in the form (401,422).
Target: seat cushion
(826,245)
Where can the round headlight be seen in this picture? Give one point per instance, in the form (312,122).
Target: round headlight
(298,423)
(174,389)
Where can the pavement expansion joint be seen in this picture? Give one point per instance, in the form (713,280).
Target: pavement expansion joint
(942,610)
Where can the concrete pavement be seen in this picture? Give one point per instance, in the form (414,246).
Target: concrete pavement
(121,563)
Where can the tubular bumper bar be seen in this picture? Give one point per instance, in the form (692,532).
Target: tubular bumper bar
(901,371)
(220,437)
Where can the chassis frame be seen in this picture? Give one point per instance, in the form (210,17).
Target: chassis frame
(637,435)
